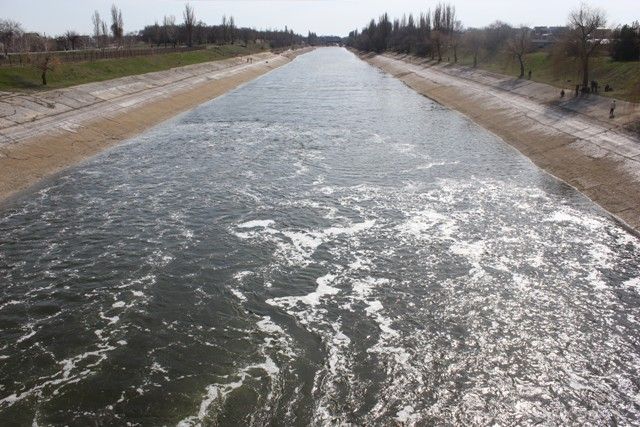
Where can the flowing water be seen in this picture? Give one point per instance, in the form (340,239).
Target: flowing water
(322,245)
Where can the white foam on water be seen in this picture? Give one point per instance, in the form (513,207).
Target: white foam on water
(266,325)
(112,320)
(240,276)
(427,224)
(257,224)
(70,373)
(304,245)
(10,303)
(276,340)
(238,294)
(311,299)
(301,168)
(145,281)
(570,215)
(407,416)
(215,395)
(28,335)
(298,246)
(633,283)
(351,229)
(428,166)
(156,367)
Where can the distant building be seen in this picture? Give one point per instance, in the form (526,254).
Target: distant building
(543,37)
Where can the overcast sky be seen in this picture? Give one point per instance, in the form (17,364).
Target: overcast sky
(336,17)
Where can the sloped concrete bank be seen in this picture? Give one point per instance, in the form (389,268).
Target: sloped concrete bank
(44,133)
(573,139)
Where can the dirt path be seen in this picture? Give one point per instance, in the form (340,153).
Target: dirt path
(573,139)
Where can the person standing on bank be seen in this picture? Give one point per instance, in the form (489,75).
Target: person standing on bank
(613,109)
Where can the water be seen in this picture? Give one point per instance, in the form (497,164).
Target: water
(320,246)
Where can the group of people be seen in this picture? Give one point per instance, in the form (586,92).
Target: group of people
(594,88)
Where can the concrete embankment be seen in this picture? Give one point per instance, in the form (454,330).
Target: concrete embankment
(572,138)
(43,133)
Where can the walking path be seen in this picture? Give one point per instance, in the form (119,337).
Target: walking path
(573,139)
(43,133)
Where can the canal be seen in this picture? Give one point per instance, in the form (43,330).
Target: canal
(322,245)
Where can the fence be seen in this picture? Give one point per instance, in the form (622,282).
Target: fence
(24,59)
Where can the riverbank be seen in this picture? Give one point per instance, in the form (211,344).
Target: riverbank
(573,138)
(622,76)
(44,133)
(16,78)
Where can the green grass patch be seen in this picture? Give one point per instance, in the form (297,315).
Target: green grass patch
(623,76)
(27,78)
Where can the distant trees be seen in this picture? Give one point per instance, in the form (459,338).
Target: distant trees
(169,33)
(474,40)
(519,44)
(439,35)
(444,21)
(155,34)
(455,38)
(228,29)
(189,23)
(312,39)
(403,35)
(72,37)
(423,34)
(97,25)
(117,24)
(10,34)
(496,35)
(100,30)
(432,34)
(189,32)
(626,43)
(169,30)
(584,23)
(104,37)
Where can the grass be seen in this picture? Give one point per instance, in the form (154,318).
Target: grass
(27,78)
(623,76)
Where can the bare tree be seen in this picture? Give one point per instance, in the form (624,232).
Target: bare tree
(48,63)
(169,30)
(97,26)
(456,38)
(444,19)
(584,23)
(473,41)
(496,35)
(438,32)
(224,29)
(424,34)
(519,44)
(104,37)
(10,33)
(117,24)
(73,38)
(157,34)
(232,29)
(189,22)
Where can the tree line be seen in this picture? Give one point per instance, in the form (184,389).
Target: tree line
(438,34)
(110,32)
(191,32)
